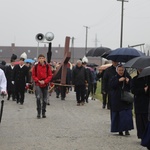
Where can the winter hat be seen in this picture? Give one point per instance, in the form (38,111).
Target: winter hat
(23,56)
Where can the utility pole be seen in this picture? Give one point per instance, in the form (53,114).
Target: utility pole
(122,14)
(86,37)
(96,40)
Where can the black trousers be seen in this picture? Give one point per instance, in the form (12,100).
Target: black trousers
(80,93)
(63,91)
(20,95)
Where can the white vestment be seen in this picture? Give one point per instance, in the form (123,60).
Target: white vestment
(3,81)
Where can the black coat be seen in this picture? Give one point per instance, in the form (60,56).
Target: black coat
(101,75)
(141,98)
(116,87)
(108,74)
(79,75)
(9,76)
(21,77)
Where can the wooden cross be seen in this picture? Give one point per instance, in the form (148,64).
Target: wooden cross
(63,67)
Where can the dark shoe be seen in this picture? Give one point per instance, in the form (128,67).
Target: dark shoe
(57,96)
(104,106)
(43,116)
(127,133)
(48,103)
(38,116)
(62,98)
(121,133)
(8,98)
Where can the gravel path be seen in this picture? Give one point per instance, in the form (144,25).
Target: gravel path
(67,127)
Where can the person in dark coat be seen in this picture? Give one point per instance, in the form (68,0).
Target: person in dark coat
(79,79)
(121,117)
(89,80)
(139,88)
(20,79)
(9,76)
(146,135)
(108,74)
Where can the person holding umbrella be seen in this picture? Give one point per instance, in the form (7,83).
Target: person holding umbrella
(108,74)
(139,88)
(146,136)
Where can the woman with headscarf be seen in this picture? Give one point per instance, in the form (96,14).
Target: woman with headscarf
(121,117)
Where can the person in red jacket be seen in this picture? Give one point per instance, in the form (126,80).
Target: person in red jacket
(42,75)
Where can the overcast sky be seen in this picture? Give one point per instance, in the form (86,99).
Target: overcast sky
(21,20)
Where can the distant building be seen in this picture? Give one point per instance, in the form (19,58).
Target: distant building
(32,52)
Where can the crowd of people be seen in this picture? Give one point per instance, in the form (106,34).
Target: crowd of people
(38,78)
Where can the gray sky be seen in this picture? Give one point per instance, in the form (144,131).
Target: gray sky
(21,20)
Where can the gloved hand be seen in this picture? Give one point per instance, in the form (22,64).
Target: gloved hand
(27,84)
(12,82)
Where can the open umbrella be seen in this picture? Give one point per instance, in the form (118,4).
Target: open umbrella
(95,52)
(104,55)
(124,54)
(92,65)
(145,72)
(29,61)
(138,62)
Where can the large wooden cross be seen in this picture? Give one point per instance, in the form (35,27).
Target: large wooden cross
(63,67)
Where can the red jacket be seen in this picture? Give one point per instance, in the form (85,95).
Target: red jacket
(42,72)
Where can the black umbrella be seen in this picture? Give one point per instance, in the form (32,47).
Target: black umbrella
(145,72)
(92,65)
(138,62)
(104,55)
(124,54)
(95,52)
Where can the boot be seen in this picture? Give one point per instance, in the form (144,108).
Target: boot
(43,114)
(38,114)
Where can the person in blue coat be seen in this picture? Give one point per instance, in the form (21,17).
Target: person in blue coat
(121,117)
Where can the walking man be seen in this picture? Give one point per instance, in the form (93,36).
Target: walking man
(9,76)
(42,75)
(20,79)
(79,79)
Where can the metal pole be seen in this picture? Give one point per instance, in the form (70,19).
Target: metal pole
(122,14)
(37,52)
(72,47)
(121,36)
(86,37)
